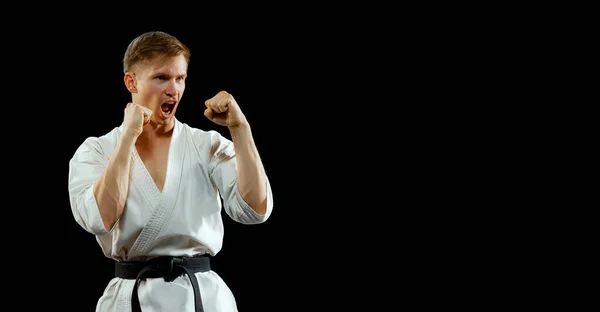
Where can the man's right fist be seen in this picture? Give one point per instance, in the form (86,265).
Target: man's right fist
(136,117)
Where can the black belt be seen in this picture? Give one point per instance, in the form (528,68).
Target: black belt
(169,268)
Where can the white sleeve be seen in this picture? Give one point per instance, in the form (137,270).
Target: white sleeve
(223,172)
(86,165)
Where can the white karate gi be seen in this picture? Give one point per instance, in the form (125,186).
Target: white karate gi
(183,220)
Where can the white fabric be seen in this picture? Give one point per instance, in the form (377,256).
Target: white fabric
(183,220)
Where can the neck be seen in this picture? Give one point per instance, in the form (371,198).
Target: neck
(157,131)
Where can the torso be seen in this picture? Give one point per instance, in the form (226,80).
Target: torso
(155,157)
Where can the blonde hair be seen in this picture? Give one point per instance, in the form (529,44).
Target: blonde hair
(151,45)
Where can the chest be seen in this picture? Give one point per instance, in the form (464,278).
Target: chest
(155,159)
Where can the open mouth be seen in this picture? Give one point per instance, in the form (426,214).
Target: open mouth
(167,109)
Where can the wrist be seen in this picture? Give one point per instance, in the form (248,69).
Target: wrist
(128,137)
(239,129)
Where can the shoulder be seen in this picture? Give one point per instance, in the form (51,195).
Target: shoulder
(206,141)
(203,137)
(103,144)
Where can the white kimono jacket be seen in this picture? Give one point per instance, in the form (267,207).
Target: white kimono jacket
(183,220)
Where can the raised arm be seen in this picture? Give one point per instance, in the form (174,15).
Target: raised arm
(252,180)
(112,186)
(222,109)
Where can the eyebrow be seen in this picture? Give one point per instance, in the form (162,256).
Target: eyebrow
(169,75)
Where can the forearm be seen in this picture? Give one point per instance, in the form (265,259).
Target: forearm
(252,179)
(112,187)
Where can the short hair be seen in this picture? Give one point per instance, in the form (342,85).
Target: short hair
(151,45)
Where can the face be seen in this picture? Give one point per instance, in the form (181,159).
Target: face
(159,86)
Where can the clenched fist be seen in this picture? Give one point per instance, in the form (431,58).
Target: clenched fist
(136,117)
(223,110)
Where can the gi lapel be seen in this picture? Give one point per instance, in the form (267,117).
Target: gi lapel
(166,201)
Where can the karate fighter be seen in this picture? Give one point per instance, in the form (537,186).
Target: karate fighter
(151,190)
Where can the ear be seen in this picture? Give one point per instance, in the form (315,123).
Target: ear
(130,82)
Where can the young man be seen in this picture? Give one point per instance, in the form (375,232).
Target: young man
(150,190)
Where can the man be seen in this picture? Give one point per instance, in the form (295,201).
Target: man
(151,190)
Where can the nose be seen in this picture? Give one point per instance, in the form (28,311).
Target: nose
(172,89)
